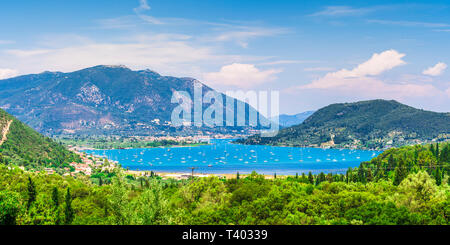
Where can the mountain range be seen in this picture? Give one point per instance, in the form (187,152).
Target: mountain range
(291,120)
(101,100)
(374,124)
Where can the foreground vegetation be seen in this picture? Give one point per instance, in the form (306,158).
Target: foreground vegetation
(407,186)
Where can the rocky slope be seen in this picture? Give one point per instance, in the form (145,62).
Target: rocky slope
(100,100)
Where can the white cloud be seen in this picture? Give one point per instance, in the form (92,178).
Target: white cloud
(376,65)
(342,11)
(244,33)
(8,73)
(448,92)
(313,69)
(435,70)
(410,23)
(27,53)
(442,30)
(4,42)
(170,54)
(240,75)
(143,5)
(363,80)
(287,62)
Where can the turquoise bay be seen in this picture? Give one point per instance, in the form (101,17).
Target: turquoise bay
(221,156)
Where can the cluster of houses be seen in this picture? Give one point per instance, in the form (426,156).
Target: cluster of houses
(81,168)
(86,167)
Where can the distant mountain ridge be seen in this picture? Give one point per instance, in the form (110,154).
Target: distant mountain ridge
(98,100)
(374,124)
(291,120)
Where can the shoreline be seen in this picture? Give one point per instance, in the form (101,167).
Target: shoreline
(187,175)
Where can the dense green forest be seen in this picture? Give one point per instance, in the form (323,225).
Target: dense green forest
(371,124)
(25,147)
(407,186)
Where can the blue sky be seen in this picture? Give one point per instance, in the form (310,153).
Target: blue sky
(314,52)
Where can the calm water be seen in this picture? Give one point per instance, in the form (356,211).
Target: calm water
(223,157)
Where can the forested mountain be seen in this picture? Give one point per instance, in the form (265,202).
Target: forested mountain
(20,145)
(374,124)
(100,100)
(291,120)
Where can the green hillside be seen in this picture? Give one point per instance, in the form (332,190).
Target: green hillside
(23,146)
(372,124)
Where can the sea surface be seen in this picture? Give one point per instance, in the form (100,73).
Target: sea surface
(221,156)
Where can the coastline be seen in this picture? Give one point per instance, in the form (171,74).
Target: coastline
(229,174)
(187,175)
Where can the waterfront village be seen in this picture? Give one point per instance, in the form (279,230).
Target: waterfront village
(90,164)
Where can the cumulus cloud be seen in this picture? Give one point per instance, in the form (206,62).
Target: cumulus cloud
(240,75)
(363,80)
(8,73)
(376,65)
(435,70)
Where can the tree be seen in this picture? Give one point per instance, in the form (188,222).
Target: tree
(437,151)
(69,213)
(31,188)
(55,197)
(362,174)
(118,202)
(369,175)
(432,149)
(310,178)
(304,178)
(9,208)
(320,178)
(348,175)
(444,156)
(400,172)
(438,176)
(418,191)
(391,162)
(56,210)
(150,208)
(237,176)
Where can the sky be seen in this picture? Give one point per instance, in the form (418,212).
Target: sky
(314,52)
